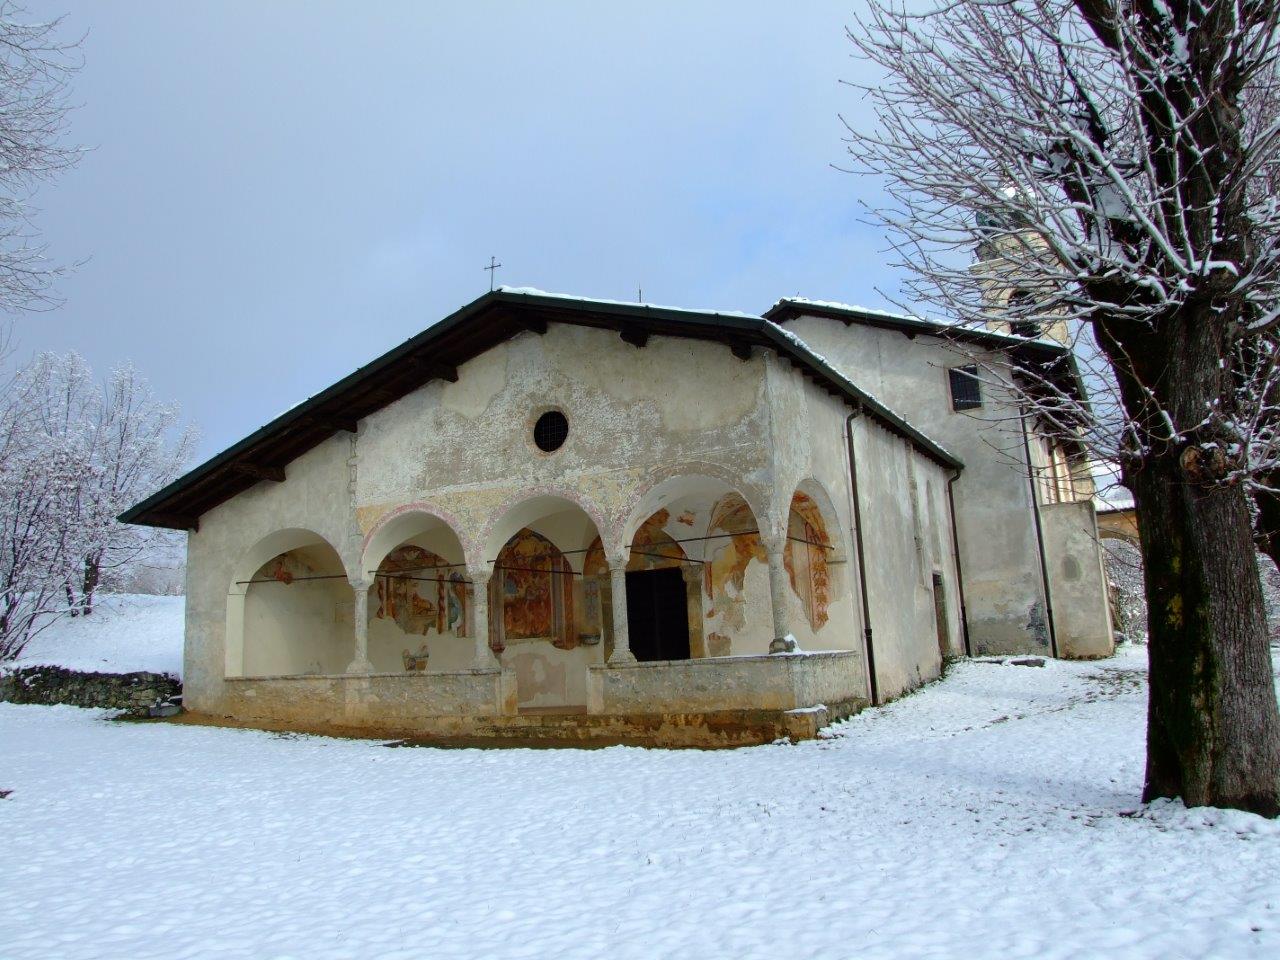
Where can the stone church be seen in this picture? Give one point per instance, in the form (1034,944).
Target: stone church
(548,518)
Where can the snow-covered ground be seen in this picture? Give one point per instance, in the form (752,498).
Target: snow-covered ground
(993,814)
(125,632)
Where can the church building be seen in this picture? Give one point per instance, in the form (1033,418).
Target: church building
(555,519)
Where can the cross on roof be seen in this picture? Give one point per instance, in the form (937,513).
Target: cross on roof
(492,268)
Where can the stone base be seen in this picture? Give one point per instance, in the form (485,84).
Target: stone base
(704,730)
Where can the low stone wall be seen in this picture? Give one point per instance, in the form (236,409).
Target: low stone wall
(765,682)
(48,685)
(383,701)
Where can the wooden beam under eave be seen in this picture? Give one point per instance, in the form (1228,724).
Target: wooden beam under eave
(257,472)
(173,521)
(435,369)
(332,424)
(532,324)
(637,338)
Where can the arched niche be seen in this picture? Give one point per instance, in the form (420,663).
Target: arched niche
(419,595)
(714,526)
(545,617)
(289,608)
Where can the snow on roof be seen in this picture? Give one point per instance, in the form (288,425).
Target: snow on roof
(535,292)
(907,318)
(855,308)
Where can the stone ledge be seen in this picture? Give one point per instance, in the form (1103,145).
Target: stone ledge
(398,675)
(706,730)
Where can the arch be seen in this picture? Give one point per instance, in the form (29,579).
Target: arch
(287,619)
(808,554)
(419,594)
(405,523)
(535,585)
(817,492)
(531,506)
(710,519)
(665,486)
(546,620)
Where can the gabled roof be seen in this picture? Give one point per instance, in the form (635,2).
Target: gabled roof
(438,352)
(789,308)
(1047,359)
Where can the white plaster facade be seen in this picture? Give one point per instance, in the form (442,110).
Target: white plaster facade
(732,467)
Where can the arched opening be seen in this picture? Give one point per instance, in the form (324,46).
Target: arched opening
(420,598)
(808,555)
(707,530)
(289,610)
(663,593)
(545,616)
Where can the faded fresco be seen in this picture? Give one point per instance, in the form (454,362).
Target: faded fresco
(533,588)
(805,556)
(286,568)
(652,548)
(725,573)
(421,592)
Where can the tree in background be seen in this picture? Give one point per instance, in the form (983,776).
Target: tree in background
(34,70)
(1110,163)
(73,455)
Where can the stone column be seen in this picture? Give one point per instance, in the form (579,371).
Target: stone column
(360,628)
(621,638)
(778,586)
(478,611)
(693,577)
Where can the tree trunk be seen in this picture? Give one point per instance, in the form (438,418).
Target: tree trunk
(92,573)
(1213,729)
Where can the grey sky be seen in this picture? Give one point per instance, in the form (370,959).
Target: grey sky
(279,192)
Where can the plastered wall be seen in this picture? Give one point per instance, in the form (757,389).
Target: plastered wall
(1003,584)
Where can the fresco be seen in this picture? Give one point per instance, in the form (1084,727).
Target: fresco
(534,587)
(427,596)
(805,556)
(652,548)
(724,574)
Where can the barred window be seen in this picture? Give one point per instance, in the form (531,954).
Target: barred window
(966,388)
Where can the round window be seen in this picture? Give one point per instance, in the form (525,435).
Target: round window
(550,431)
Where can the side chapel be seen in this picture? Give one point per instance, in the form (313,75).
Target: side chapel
(554,518)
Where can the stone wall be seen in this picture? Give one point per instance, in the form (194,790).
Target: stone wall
(134,692)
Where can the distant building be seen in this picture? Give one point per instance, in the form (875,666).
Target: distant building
(555,518)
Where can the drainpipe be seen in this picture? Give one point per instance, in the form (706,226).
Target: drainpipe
(1035,512)
(868,646)
(955,549)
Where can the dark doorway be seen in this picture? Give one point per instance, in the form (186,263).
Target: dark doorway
(658,614)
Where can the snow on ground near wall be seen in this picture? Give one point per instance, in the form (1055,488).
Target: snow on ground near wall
(125,633)
(985,816)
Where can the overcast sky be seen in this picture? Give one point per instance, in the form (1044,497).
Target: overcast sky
(279,192)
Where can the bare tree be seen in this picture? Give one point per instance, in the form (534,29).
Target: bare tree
(73,455)
(1097,157)
(34,70)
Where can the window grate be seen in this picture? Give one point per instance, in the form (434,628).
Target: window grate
(966,388)
(551,431)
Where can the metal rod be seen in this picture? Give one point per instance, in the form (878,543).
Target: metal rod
(327,576)
(396,576)
(438,566)
(563,573)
